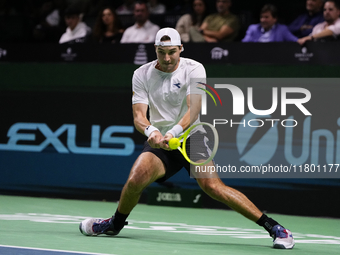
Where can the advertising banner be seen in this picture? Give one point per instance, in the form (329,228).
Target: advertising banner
(211,53)
(74,140)
(274,127)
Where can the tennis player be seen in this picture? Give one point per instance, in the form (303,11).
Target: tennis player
(163,87)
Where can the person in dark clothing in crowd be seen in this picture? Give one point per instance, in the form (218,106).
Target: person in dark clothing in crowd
(108,28)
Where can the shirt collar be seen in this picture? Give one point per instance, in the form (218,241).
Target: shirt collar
(262,29)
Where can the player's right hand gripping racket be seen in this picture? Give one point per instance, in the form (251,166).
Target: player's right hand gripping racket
(199,144)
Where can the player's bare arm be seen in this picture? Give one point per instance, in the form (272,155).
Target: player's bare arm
(141,123)
(139,117)
(194,108)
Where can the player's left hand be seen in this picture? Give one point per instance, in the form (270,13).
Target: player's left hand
(165,142)
(155,140)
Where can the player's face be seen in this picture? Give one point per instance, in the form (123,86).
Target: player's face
(330,12)
(267,20)
(314,5)
(168,57)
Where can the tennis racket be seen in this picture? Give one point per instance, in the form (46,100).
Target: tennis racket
(198,144)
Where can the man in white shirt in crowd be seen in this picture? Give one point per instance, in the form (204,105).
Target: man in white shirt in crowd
(330,28)
(76,31)
(143,31)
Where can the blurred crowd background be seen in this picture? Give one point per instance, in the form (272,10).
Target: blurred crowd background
(43,21)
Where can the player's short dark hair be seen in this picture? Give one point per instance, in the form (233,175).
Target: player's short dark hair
(270,8)
(165,38)
(336,3)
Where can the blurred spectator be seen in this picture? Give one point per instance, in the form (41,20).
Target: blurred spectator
(268,30)
(7,9)
(222,26)
(155,7)
(11,22)
(303,25)
(108,27)
(192,21)
(76,31)
(93,7)
(126,8)
(179,7)
(143,31)
(330,28)
(51,26)
(54,18)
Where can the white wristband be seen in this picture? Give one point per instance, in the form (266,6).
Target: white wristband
(149,129)
(176,130)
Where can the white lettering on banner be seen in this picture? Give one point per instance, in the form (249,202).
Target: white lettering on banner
(69,55)
(238,100)
(304,55)
(196,198)
(162,196)
(141,56)
(255,123)
(218,53)
(265,148)
(15,134)
(311,145)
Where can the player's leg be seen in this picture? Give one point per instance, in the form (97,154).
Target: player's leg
(236,200)
(146,169)
(215,188)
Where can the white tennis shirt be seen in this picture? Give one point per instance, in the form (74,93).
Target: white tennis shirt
(165,93)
